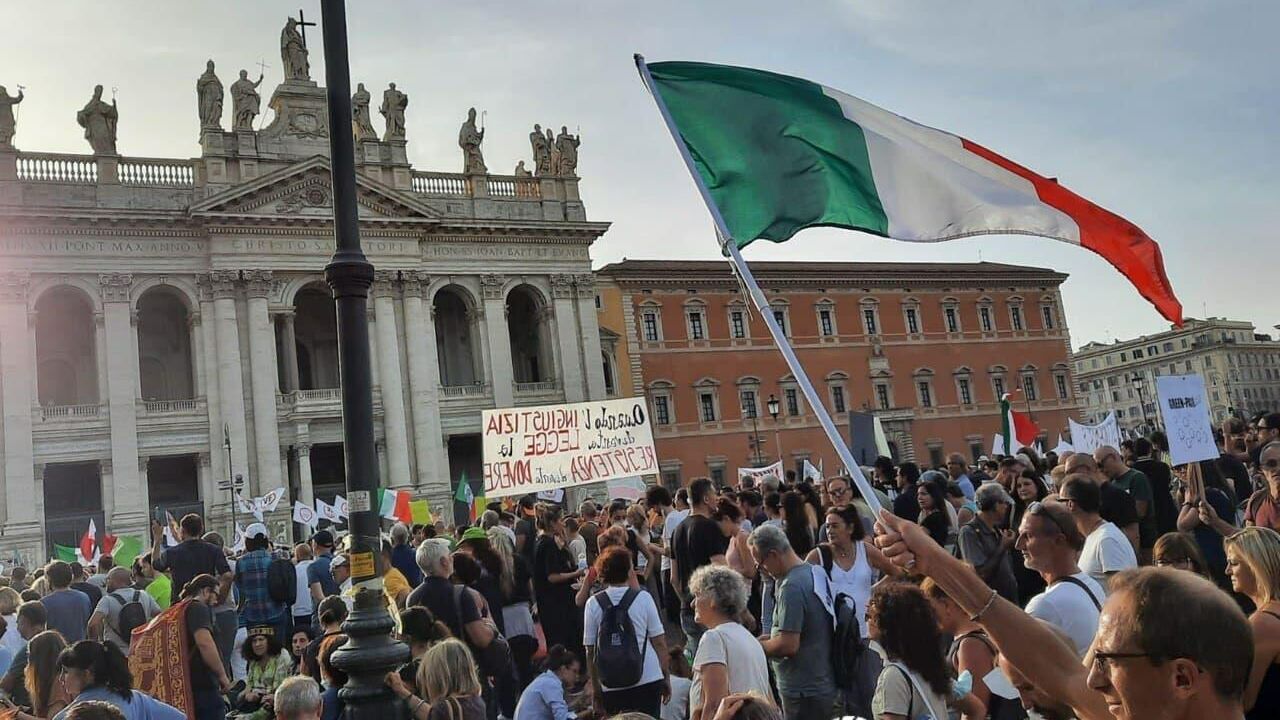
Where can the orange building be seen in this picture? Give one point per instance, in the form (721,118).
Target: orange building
(929,348)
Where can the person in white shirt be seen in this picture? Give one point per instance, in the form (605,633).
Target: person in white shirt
(646,694)
(1107,549)
(729,658)
(303,606)
(670,522)
(1050,540)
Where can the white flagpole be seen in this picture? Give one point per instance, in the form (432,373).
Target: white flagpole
(762,303)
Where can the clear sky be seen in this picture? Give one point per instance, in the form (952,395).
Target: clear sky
(1164,111)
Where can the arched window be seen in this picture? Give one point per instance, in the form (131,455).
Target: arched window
(66,348)
(164,346)
(316,338)
(527,327)
(456,336)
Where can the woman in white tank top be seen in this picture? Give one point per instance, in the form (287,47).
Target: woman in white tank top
(852,562)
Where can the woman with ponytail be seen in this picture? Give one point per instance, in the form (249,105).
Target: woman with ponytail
(98,671)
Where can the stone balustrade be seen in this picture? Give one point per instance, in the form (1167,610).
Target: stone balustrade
(537,387)
(170,407)
(473,390)
(57,167)
(157,172)
(47,413)
(434,183)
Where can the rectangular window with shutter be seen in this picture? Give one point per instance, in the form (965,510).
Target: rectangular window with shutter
(966,395)
(985,315)
(824,317)
(869,318)
(913,322)
(696,331)
(708,402)
(837,398)
(953,324)
(793,401)
(738,324)
(926,394)
(882,396)
(651,327)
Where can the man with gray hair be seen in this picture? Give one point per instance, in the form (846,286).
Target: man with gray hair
(802,618)
(298,698)
(402,556)
(108,622)
(459,613)
(985,544)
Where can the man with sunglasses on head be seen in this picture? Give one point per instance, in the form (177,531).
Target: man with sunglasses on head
(1051,542)
(1263,508)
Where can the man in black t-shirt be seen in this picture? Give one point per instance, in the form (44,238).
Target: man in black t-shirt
(208,678)
(526,530)
(191,557)
(458,612)
(697,541)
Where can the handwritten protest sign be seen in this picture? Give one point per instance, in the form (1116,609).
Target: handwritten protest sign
(759,475)
(1087,438)
(531,449)
(1185,409)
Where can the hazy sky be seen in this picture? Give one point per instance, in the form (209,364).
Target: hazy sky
(1164,112)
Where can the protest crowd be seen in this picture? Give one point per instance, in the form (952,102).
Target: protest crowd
(1087,585)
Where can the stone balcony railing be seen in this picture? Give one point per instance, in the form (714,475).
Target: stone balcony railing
(172,407)
(57,413)
(458,391)
(458,185)
(537,387)
(104,169)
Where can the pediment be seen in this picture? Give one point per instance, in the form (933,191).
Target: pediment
(305,191)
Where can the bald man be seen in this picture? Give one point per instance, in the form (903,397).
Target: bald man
(104,623)
(1118,506)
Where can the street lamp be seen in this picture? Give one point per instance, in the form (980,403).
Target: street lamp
(233,483)
(1140,384)
(749,409)
(371,652)
(773,407)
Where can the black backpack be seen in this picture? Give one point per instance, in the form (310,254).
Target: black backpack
(619,659)
(132,615)
(282,581)
(847,645)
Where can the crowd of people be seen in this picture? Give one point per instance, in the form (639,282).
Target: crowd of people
(1091,586)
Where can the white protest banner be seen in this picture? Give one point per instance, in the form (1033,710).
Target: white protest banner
(554,496)
(758,475)
(530,449)
(627,488)
(1185,408)
(811,473)
(1087,438)
(325,511)
(304,514)
(249,507)
(1062,447)
(272,499)
(341,507)
(997,445)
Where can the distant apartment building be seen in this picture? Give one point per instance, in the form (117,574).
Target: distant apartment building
(929,348)
(1241,370)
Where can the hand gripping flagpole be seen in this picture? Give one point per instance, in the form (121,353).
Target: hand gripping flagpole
(730,248)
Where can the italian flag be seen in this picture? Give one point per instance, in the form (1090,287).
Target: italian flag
(779,154)
(1017,429)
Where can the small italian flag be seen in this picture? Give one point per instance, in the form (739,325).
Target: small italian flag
(476,504)
(395,505)
(779,154)
(1017,430)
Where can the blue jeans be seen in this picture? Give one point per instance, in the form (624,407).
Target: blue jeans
(209,705)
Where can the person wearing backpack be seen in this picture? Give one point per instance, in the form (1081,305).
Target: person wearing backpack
(625,642)
(121,610)
(254,586)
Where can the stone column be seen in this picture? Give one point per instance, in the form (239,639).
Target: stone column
(209,389)
(589,327)
(393,416)
(106,477)
(129,482)
(263,378)
(306,489)
(424,383)
(289,352)
(230,380)
(16,378)
(502,374)
(207,483)
(562,303)
(99,355)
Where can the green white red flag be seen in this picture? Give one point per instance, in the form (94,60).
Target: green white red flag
(778,154)
(1017,429)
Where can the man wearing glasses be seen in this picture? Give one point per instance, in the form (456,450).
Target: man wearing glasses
(1170,644)
(1263,508)
(1051,542)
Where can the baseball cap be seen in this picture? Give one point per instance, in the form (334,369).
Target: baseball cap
(256,529)
(473,533)
(323,538)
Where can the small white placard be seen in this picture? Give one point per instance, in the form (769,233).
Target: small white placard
(1186,418)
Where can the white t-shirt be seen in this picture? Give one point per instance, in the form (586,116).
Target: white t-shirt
(1066,606)
(1106,550)
(669,525)
(303,605)
(733,646)
(677,708)
(644,619)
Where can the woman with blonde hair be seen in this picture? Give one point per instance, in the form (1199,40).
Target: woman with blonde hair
(447,685)
(1253,564)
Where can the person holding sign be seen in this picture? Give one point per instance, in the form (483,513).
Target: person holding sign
(1205,504)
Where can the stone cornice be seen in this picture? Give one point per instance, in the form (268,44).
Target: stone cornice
(843,284)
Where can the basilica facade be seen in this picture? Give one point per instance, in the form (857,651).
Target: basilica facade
(165,325)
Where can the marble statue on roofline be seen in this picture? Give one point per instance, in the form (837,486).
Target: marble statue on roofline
(541,152)
(361,122)
(293,53)
(469,139)
(394,103)
(99,121)
(209,96)
(246,103)
(8,125)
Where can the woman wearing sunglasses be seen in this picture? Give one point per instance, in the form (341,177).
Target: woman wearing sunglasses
(1263,508)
